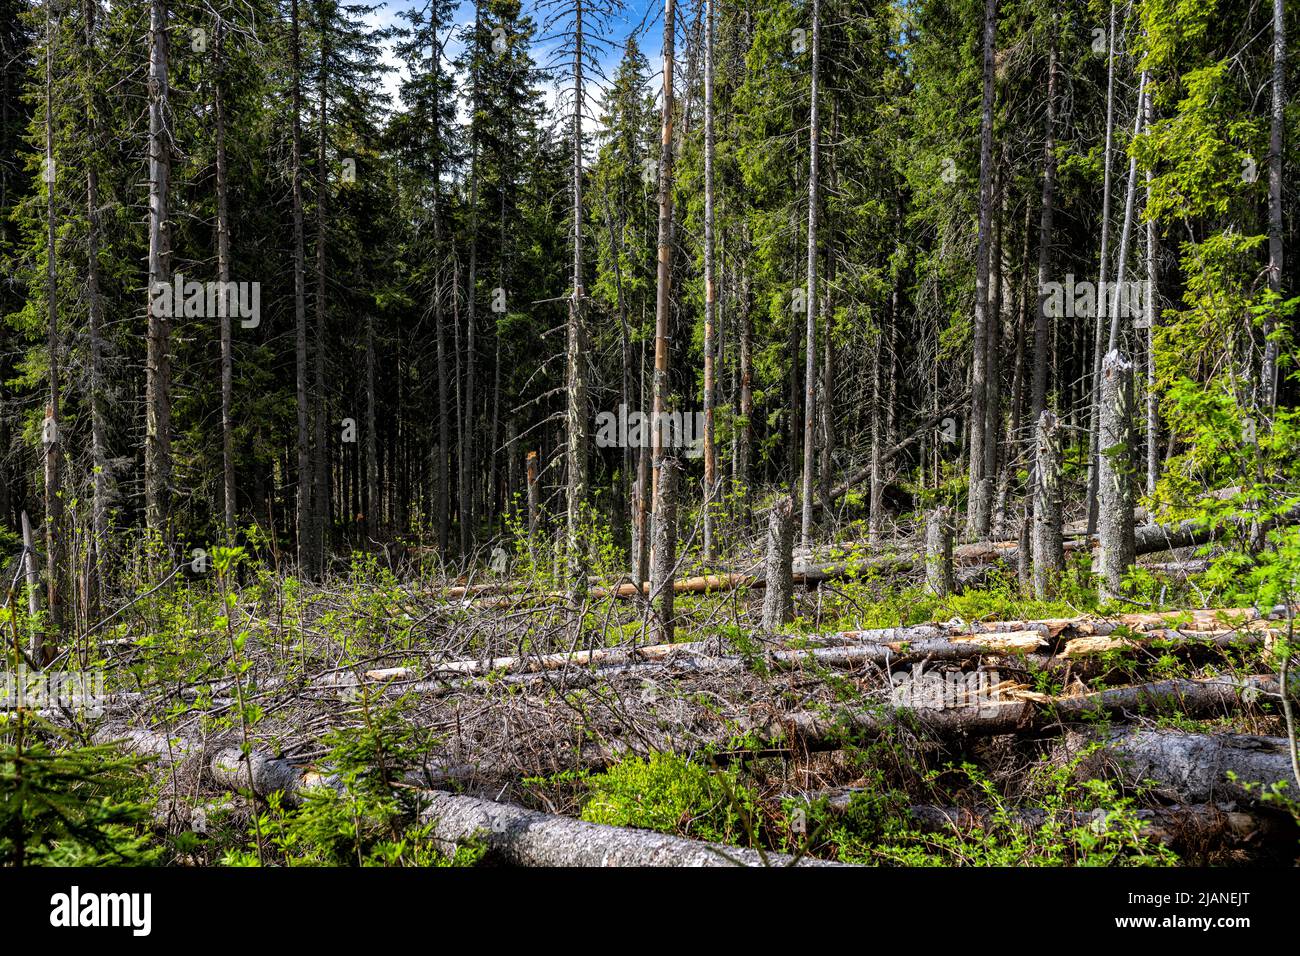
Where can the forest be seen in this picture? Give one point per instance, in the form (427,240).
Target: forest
(649,432)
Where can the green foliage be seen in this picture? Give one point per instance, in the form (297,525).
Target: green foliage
(670,794)
(65,803)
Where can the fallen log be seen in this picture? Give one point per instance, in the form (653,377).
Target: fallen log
(521,837)
(1195,767)
(511,834)
(1016,712)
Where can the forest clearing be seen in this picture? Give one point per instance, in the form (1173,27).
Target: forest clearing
(577,433)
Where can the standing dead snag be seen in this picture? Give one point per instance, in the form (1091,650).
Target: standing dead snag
(1115,474)
(1049,550)
(664,558)
(938,551)
(778,597)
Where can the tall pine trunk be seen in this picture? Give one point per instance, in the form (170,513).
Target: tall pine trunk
(810,301)
(158,446)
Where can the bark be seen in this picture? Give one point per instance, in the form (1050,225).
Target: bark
(305,520)
(664,553)
(576,424)
(1195,767)
(708,546)
(1130,202)
(102,479)
(373,507)
(534,496)
(1118,547)
(745,427)
(223,276)
(778,596)
(979,513)
(321,498)
(938,552)
(663,277)
(1100,323)
(45,645)
(1277,126)
(442,454)
(158,449)
(1049,552)
(1024,553)
(876,501)
(1042,324)
(810,303)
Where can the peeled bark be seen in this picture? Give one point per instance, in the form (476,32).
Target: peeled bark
(778,597)
(1049,552)
(1116,474)
(938,552)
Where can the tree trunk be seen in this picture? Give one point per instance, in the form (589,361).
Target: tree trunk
(1130,202)
(981,503)
(305,520)
(778,595)
(321,498)
(577,369)
(1042,327)
(45,646)
(708,544)
(1049,553)
(223,276)
(938,552)
(102,480)
(1195,767)
(664,559)
(1115,471)
(810,302)
(373,509)
(1100,324)
(1152,320)
(1277,127)
(158,447)
(663,279)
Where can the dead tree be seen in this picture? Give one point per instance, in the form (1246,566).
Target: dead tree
(778,597)
(1049,550)
(1115,493)
(664,559)
(938,551)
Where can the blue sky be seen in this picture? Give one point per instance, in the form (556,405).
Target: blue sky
(637,14)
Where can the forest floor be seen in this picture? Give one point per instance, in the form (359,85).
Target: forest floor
(396,716)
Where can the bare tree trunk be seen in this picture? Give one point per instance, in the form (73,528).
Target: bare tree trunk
(158,447)
(1049,551)
(664,559)
(305,521)
(321,498)
(33,586)
(1152,320)
(577,370)
(663,283)
(876,504)
(1130,201)
(980,511)
(373,510)
(708,545)
(1042,327)
(46,645)
(1277,124)
(102,479)
(778,571)
(1115,474)
(1100,323)
(810,303)
(1024,553)
(223,276)
(745,428)
(441,461)
(938,551)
